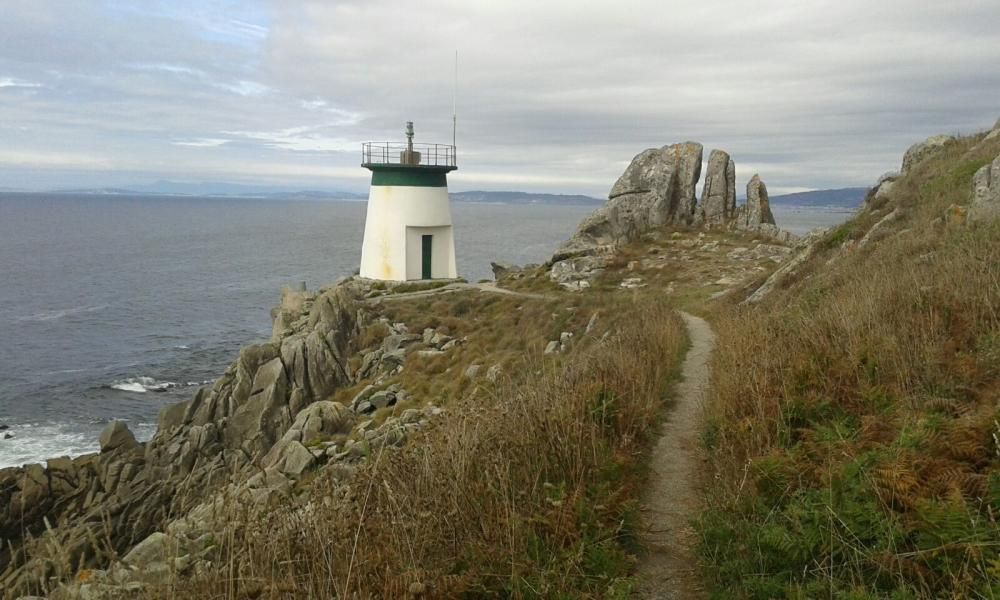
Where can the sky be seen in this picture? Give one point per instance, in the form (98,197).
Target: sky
(553,96)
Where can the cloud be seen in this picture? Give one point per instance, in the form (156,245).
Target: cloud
(48,159)
(552,96)
(245,88)
(299,139)
(201,142)
(10,82)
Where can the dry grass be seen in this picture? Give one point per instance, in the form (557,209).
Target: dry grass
(854,415)
(527,489)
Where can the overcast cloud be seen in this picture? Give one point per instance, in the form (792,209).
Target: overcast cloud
(553,95)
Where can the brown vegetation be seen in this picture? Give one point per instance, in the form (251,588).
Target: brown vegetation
(527,488)
(854,413)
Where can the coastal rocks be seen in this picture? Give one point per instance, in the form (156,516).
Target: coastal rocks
(96,506)
(659,185)
(576,274)
(878,229)
(502,270)
(986,193)
(922,150)
(656,189)
(292,306)
(371,398)
(809,246)
(559,346)
(994,133)
(758,205)
(718,199)
(882,190)
(757,210)
(116,435)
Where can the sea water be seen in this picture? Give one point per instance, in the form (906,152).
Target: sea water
(112,306)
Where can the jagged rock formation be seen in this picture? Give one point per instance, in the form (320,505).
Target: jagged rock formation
(101,505)
(658,189)
(718,198)
(757,210)
(986,191)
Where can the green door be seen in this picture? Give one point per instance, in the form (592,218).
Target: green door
(428,244)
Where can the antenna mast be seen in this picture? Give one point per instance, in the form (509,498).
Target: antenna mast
(454,103)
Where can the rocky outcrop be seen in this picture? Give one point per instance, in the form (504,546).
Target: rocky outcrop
(657,188)
(758,204)
(577,273)
(986,192)
(809,246)
(190,544)
(922,150)
(100,505)
(879,193)
(994,133)
(116,435)
(757,210)
(718,198)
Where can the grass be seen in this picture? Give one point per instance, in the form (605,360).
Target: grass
(853,419)
(525,490)
(853,433)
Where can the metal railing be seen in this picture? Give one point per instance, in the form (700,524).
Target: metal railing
(423,155)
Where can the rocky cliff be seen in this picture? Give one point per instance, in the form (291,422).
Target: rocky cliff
(86,511)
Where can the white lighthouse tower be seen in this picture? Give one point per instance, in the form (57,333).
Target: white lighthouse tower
(408,233)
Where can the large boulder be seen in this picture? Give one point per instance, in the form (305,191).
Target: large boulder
(882,189)
(986,193)
(922,150)
(718,198)
(993,133)
(758,205)
(116,435)
(755,215)
(577,273)
(656,189)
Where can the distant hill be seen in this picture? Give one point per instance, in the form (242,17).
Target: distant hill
(841,198)
(215,189)
(210,188)
(525,198)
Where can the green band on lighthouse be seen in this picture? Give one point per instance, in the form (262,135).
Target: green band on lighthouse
(409,176)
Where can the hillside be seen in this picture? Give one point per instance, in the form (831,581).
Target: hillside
(525,198)
(848,198)
(445,439)
(853,409)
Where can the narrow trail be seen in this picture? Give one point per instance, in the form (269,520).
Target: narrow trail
(668,570)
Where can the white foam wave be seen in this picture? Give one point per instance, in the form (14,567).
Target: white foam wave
(37,442)
(52,315)
(142,385)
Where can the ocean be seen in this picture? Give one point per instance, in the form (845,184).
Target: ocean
(112,306)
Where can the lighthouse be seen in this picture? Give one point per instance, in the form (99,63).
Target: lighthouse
(408,232)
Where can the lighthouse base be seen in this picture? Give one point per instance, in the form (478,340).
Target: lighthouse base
(408,234)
